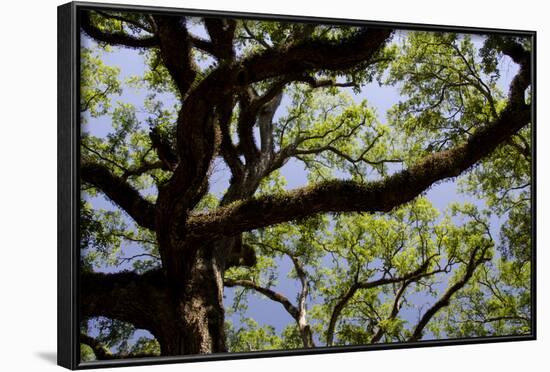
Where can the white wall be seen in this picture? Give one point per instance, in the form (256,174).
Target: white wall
(28,186)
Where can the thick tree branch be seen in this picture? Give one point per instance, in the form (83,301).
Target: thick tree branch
(202,44)
(247,119)
(141,300)
(222,32)
(259,109)
(312,55)
(265,123)
(121,193)
(175,49)
(227,149)
(115,38)
(198,140)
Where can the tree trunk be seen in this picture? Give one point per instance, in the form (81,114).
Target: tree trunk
(201,306)
(198,327)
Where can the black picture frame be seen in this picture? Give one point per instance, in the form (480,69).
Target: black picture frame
(69,186)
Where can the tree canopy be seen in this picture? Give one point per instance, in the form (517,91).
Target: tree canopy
(364,254)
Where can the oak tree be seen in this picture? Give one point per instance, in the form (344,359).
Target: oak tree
(361,239)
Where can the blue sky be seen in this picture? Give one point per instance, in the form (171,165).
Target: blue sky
(264,311)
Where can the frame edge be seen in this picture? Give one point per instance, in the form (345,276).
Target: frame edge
(66,164)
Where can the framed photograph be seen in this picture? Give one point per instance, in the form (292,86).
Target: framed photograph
(236,185)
